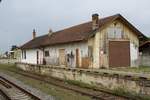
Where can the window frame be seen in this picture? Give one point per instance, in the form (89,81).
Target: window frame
(115,33)
(46,53)
(25,55)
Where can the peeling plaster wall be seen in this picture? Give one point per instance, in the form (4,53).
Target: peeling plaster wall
(53,58)
(101,45)
(108,80)
(134,55)
(91,44)
(31,56)
(96,50)
(128,34)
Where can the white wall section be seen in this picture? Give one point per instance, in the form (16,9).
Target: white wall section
(133,54)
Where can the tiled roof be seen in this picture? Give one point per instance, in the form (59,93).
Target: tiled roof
(73,34)
(145,43)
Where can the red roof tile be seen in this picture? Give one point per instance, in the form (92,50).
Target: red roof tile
(73,34)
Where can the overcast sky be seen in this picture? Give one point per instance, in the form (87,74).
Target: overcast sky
(19,17)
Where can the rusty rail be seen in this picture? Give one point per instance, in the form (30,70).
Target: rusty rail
(5,82)
(5,95)
(105,95)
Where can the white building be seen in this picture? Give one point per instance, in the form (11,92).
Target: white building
(105,42)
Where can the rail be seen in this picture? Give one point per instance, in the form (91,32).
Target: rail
(13,91)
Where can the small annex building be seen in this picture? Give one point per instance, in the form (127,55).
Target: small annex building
(145,48)
(103,42)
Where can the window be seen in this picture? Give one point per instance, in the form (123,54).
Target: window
(46,53)
(24,54)
(114,32)
(111,33)
(118,33)
(90,51)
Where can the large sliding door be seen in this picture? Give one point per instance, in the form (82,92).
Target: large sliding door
(119,53)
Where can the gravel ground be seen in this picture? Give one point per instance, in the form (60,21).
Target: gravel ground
(2,97)
(28,88)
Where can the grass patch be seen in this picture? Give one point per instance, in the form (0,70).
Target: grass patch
(140,69)
(121,91)
(124,92)
(62,94)
(80,84)
(8,67)
(57,92)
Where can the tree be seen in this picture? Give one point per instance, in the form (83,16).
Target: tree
(6,53)
(13,47)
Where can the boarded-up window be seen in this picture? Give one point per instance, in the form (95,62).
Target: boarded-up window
(118,32)
(90,51)
(62,56)
(114,32)
(111,33)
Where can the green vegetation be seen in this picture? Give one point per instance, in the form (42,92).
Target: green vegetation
(117,91)
(59,93)
(123,91)
(81,84)
(63,94)
(141,69)
(6,67)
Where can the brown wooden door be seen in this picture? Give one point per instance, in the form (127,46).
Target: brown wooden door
(119,53)
(77,57)
(62,56)
(37,54)
(85,62)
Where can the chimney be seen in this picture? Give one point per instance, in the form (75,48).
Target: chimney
(95,21)
(50,32)
(34,34)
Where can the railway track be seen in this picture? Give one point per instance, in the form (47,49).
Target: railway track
(13,92)
(3,96)
(94,94)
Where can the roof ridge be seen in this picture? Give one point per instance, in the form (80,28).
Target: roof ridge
(88,22)
(75,33)
(115,15)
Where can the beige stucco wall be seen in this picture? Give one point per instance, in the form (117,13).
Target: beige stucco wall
(96,49)
(53,58)
(91,43)
(128,33)
(101,42)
